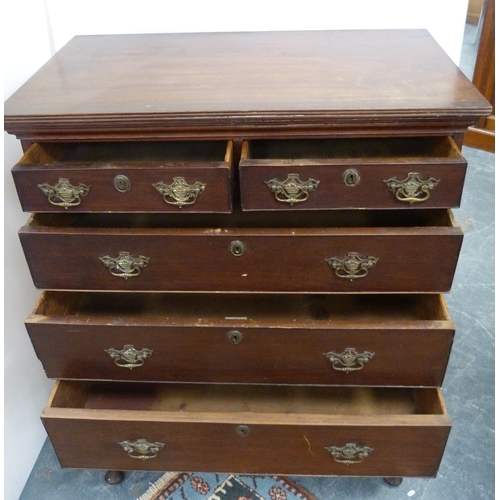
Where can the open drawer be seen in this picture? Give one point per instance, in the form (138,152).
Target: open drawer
(189,176)
(354,340)
(248,429)
(342,251)
(387,173)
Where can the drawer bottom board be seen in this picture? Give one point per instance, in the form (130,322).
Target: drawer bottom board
(248,429)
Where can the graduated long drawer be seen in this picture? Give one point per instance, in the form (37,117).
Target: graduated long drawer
(352,251)
(248,429)
(355,340)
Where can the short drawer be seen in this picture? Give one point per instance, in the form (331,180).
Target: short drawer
(343,251)
(385,173)
(126,177)
(248,429)
(353,340)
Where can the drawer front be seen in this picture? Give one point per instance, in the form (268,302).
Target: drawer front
(230,440)
(109,183)
(353,357)
(370,181)
(335,260)
(268,449)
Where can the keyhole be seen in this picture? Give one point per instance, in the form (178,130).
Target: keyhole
(237,248)
(351,177)
(243,430)
(122,183)
(235,337)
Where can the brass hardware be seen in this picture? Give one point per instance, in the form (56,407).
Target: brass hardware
(243,430)
(352,266)
(234,336)
(129,356)
(63,194)
(349,360)
(237,248)
(351,453)
(292,189)
(122,183)
(351,177)
(142,449)
(181,192)
(413,188)
(125,266)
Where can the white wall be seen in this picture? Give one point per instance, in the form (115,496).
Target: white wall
(33,29)
(26,48)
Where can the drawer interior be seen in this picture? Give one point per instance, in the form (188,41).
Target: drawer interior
(316,311)
(240,219)
(105,153)
(395,149)
(217,399)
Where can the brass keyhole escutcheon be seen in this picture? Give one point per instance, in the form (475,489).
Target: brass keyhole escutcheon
(237,248)
(243,430)
(122,183)
(351,177)
(235,337)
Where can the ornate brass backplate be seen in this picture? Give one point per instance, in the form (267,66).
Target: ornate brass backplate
(125,266)
(63,194)
(413,188)
(142,449)
(292,190)
(180,193)
(129,356)
(349,360)
(351,453)
(352,266)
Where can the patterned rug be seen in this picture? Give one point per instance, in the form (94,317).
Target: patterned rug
(185,486)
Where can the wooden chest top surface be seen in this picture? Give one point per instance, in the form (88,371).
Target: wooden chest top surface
(224,80)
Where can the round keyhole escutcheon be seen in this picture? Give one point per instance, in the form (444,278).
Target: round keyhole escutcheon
(234,336)
(237,248)
(122,183)
(351,177)
(243,430)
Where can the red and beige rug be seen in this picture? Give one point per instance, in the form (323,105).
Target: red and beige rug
(187,486)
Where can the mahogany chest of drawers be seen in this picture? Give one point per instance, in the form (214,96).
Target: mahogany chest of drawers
(244,240)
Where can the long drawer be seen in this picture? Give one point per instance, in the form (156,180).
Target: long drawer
(126,177)
(348,251)
(353,340)
(387,173)
(248,429)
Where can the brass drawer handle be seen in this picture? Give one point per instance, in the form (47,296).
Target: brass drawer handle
(63,194)
(351,453)
(125,266)
(352,266)
(129,356)
(142,449)
(413,188)
(180,191)
(349,360)
(292,189)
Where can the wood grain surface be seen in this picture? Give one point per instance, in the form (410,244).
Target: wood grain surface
(208,84)
(283,338)
(406,430)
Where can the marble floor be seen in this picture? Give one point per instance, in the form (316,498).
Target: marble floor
(467,469)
